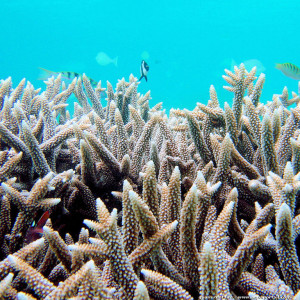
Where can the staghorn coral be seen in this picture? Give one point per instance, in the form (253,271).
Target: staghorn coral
(196,204)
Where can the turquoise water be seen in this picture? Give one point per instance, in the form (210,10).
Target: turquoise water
(188,43)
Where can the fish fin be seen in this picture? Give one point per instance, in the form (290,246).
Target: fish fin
(141,77)
(115,61)
(93,82)
(43,219)
(146,78)
(233,63)
(45,70)
(37,230)
(277,66)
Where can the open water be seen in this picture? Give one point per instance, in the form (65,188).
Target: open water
(187,44)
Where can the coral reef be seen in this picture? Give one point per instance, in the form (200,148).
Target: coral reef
(122,201)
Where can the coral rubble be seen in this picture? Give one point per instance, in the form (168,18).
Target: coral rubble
(122,201)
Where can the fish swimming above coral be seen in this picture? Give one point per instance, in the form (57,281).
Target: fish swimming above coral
(65,75)
(144,70)
(145,55)
(103,59)
(249,64)
(289,70)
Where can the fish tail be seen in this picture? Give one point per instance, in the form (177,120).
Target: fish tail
(232,64)
(278,66)
(93,82)
(42,221)
(45,74)
(115,61)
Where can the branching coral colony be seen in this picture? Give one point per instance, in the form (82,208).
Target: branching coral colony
(142,205)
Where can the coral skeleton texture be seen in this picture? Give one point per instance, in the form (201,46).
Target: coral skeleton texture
(123,201)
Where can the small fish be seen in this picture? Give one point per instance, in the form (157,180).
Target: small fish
(290,70)
(144,70)
(65,75)
(36,230)
(103,59)
(249,64)
(145,55)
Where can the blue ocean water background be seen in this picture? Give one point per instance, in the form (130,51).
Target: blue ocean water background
(189,42)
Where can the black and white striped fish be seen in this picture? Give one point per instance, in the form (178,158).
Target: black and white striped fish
(144,70)
(65,75)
